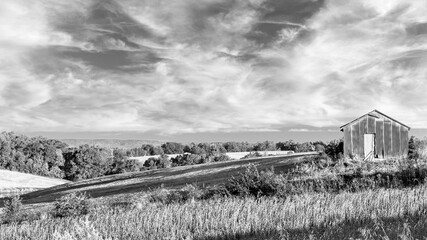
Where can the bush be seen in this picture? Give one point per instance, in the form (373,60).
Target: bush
(73,204)
(255,183)
(335,149)
(417,148)
(189,159)
(216,191)
(12,209)
(189,192)
(221,158)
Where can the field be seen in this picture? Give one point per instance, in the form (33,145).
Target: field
(378,214)
(321,200)
(203,174)
(12,182)
(232,155)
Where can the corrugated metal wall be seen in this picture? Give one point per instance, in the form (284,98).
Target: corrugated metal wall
(391,137)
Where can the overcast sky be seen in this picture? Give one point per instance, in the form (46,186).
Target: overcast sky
(182,67)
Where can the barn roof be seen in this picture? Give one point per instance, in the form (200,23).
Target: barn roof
(372,113)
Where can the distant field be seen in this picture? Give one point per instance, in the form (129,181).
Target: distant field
(110,143)
(204,174)
(232,155)
(15,182)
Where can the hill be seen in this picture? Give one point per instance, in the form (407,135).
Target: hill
(12,182)
(110,143)
(203,174)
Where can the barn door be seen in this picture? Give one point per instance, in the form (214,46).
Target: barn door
(369,146)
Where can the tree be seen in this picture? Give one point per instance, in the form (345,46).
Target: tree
(289,145)
(188,159)
(172,148)
(86,162)
(334,149)
(36,155)
(264,146)
(155,163)
(412,148)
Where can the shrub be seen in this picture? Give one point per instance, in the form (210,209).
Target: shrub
(255,183)
(221,158)
(216,191)
(12,209)
(417,148)
(73,204)
(189,159)
(189,192)
(159,195)
(334,149)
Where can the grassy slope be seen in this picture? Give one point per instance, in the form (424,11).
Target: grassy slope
(206,174)
(11,181)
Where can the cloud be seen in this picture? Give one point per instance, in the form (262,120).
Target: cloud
(364,58)
(208,66)
(299,130)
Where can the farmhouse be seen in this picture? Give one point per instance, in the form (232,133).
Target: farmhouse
(375,135)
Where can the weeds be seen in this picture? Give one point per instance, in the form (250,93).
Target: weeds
(257,183)
(12,209)
(379,213)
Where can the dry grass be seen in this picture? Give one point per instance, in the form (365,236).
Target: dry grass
(12,182)
(378,213)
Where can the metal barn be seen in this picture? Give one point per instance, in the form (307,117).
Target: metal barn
(375,135)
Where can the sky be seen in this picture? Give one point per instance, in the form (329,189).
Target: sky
(209,69)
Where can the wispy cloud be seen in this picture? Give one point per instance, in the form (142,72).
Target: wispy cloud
(207,66)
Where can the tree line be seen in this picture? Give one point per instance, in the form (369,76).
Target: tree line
(224,147)
(53,158)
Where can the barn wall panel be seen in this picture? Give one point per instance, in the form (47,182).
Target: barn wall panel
(355,138)
(395,139)
(363,125)
(379,139)
(387,139)
(347,141)
(371,125)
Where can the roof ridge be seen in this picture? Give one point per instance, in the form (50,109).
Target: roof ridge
(375,110)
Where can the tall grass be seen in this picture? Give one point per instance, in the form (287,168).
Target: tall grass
(300,216)
(320,200)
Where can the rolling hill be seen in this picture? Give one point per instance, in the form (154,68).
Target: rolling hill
(203,174)
(110,143)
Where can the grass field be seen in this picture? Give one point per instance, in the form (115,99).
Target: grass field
(15,182)
(176,177)
(378,214)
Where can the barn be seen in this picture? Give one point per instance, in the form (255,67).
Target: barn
(375,135)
